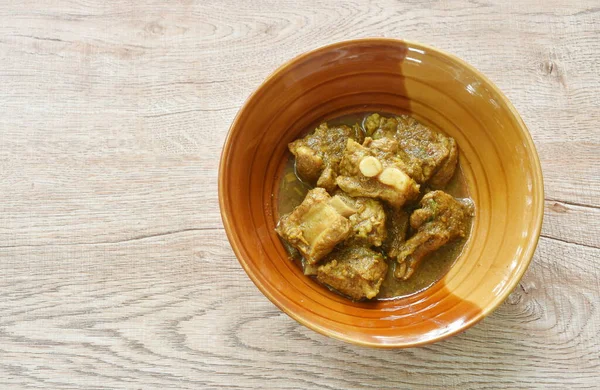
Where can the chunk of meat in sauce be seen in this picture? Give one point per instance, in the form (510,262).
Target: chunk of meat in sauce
(319,153)
(373,170)
(368,222)
(356,272)
(430,156)
(440,220)
(315,227)
(397,227)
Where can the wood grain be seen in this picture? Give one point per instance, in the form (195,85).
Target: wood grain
(114,268)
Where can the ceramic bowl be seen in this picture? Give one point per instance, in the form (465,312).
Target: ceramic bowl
(497,156)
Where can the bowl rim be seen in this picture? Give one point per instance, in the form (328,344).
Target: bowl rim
(538,195)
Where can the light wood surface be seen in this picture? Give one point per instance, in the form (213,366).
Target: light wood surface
(115,271)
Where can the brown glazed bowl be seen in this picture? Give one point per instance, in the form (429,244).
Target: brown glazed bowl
(497,156)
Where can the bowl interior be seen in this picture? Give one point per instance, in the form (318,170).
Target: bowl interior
(497,156)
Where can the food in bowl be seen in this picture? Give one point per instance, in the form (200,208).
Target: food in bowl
(497,160)
(367,198)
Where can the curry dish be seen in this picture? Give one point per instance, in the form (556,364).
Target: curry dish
(374,206)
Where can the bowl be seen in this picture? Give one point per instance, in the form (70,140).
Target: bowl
(497,156)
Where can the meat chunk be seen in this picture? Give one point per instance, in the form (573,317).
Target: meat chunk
(446,169)
(319,153)
(397,227)
(354,271)
(367,221)
(315,227)
(440,220)
(430,156)
(373,170)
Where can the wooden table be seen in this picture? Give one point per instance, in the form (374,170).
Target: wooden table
(115,271)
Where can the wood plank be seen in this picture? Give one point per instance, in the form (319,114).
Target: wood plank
(171,102)
(105,199)
(177,311)
(571,223)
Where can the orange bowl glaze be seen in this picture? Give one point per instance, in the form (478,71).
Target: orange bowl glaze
(497,156)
